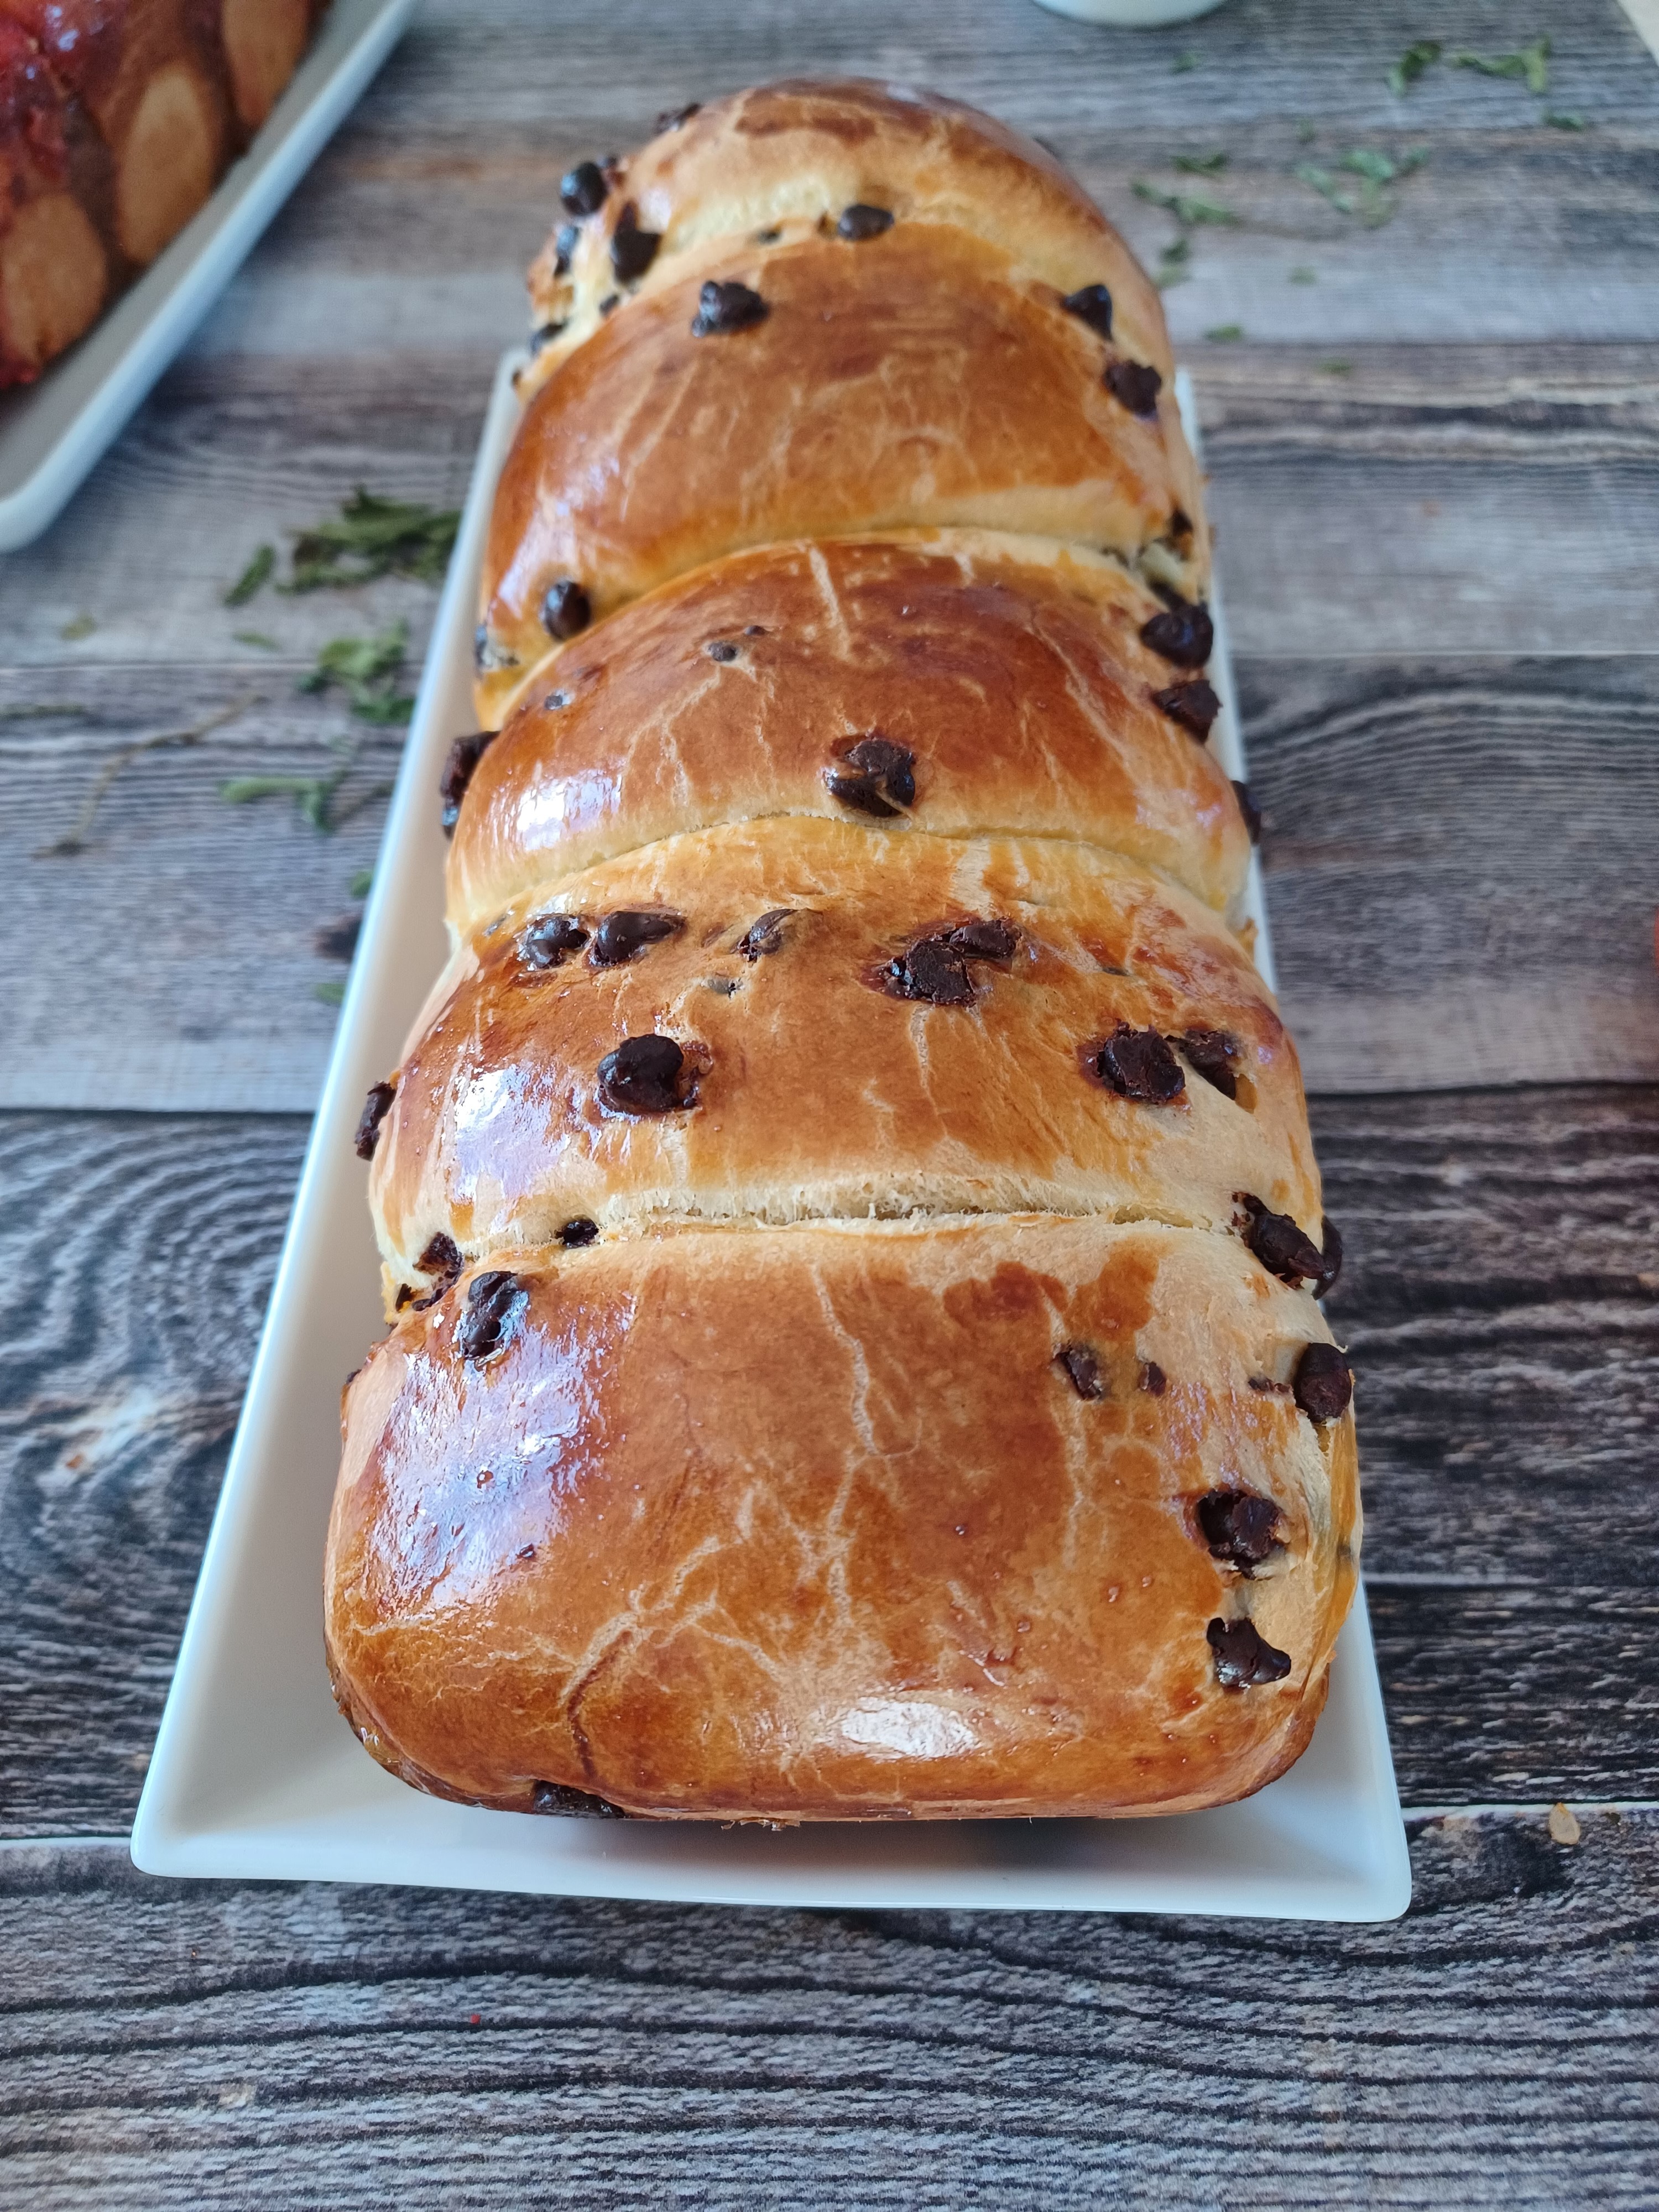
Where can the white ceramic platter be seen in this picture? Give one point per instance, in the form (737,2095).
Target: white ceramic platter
(52,432)
(255,1775)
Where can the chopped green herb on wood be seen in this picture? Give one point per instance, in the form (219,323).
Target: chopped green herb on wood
(374,538)
(1172,263)
(1561,120)
(81,626)
(1530,65)
(1336,369)
(360,883)
(1370,199)
(1226,333)
(1183,64)
(1186,208)
(1201,165)
(1304,277)
(366,669)
(253,578)
(256,637)
(330,993)
(1412,64)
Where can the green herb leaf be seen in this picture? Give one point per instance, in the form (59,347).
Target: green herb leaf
(256,637)
(1183,64)
(380,708)
(1201,165)
(360,883)
(1336,369)
(256,574)
(1369,201)
(1530,64)
(374,538)
(1412,64)
(1306,133)
(1184,207)
(1322,182)
(1304,277)
(1225,333)
(330,993)
(1560,119)
(1366,162)
(81,626)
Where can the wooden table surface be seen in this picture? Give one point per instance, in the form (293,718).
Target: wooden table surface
(1436,464)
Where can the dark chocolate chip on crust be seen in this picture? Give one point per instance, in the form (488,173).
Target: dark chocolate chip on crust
(672,118)
(582,190)
(1322,1385)
(765,935)
(936,968)
(442,1259)
(1092,304)
(1211,1053)
(1248,809)
(1138,1064)
(1244,1659)
(573,1804)
(564,246)
(566,609)
(1153,1380)
(1330,1256)
(1133,385)
(724,307)
(463,759)
(1239,1527)
(1080,1364)
(721,649)
(578,1231)
(496,1303)
(646,1075)
(1195,706)
(1282,1247)
(1182,634)
(632,250)
(543,336)
(890,766)
(861,221)
(628,931)
(376,1107)
(549,941)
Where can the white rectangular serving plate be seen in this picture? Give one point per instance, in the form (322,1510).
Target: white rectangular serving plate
(52,432)
(255,1775)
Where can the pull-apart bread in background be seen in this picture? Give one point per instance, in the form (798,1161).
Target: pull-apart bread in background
(850,1228)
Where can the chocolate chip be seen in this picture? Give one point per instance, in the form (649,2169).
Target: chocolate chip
(892,766)
(553,1796)
(1138,1064)
(1211,1053)
(1239,1527)
(550,939)
(769,236)
(1093,306)
(442,1257)
(1183,634)
(611,301)
(405,1292)
(632,250)
(1321,1384)
(564,248)
(1243,1659)
(765,935)
(722,649)
(578,1231)
(861,793)
(1153,1380)
(723,308)
(1083,1368)
(1330,1257)
(376,1107)
(566,609)
(754,629)
(463,759)
(1181,524)
(936,968)
(1277,1242)
(1135,386)
(646,1075)
(582,190)
(671,119)
(496,1303)
(543,336)
(1195,706)
(861,221)
(621,935)
(1249,809)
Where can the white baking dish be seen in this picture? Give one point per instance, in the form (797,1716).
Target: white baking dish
(52,432)
(255,1776)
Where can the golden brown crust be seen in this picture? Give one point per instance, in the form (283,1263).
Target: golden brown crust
(1012,670)
(730,1527)
(794,156)
(820,1092)
(917,379)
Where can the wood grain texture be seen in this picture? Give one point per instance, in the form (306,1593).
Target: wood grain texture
(1506,1382)
(225,2044)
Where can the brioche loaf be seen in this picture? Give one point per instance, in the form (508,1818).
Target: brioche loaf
(117,118)
(849,1224)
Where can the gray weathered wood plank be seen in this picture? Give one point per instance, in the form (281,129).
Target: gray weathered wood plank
(1506,1341)
(228,2045)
